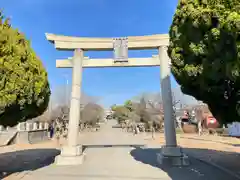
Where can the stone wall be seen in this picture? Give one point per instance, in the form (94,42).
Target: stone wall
(30,132)
(31,137)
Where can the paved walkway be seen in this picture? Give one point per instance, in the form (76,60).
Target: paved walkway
(121,161)
(222,152)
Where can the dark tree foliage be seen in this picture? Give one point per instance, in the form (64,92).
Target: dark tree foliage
(121,113)
(129,105)
(24,86)
(92,113)
(205,53)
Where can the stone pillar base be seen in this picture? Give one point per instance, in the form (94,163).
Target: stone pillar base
(172,156)
(70,156)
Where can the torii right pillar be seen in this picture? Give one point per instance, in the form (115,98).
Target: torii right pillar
(170,154)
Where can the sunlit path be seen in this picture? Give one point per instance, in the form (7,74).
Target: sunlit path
(109,155)
(113,161)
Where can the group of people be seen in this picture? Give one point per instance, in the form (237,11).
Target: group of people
(193,119)
(56,131)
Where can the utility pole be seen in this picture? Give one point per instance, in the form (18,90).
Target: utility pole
(67,98)
(66,90)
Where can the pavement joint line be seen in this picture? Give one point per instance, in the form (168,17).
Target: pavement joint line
(24,173)
(231,173)
(20,175)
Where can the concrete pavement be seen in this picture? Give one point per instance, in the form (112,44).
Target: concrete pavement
(109,155)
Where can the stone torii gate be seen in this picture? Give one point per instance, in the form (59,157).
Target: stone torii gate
(72,153)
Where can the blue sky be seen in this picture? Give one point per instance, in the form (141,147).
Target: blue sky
(94,18)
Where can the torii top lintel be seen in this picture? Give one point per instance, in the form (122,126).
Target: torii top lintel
(97,44)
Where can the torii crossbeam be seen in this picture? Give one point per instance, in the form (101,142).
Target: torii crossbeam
(98,63)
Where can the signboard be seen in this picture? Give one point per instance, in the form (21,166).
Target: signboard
(120,48)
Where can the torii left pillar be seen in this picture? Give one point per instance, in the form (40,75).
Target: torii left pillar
(72,153)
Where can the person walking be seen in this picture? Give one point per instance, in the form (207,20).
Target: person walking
(200,128)
(153,131)
(134,128)
(51,130)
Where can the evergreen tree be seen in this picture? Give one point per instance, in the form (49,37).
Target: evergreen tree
(205,53)
(24,86)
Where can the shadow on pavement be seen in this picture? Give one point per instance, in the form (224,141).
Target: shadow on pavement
(87,146)
(25,160)
(229,161)
(199,164)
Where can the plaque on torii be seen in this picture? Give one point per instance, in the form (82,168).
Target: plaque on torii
(120,49)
